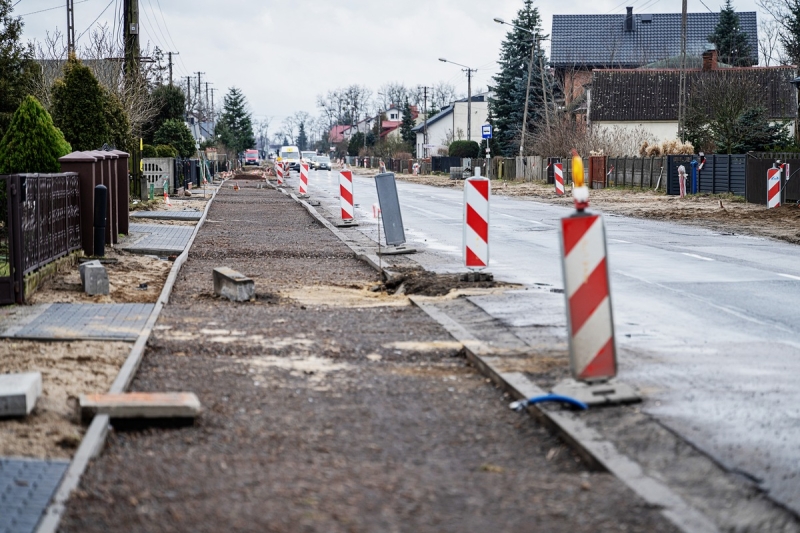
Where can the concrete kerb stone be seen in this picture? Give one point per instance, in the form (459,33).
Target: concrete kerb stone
(95,437)
(598,453)
(94,278)
(233,285)
(19,392)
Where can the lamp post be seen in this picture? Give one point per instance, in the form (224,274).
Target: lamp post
(469,72)
(534,47)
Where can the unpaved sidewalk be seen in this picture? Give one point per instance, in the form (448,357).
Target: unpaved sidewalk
(328,409)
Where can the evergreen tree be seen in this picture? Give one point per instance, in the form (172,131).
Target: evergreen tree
(16,65)
(32,142)
(78,107)
(119,127)
(730,40)
(235,126)
(170,103)
(406,127)
(356,143)
(508,102)
(790,39)
(175,133)
(302,138)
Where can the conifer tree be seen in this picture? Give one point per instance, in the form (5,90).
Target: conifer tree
(302,138)
(731,42)
(32,142)
(235,126)
(790,38)
(406,127)
(175,133)
(508,101)
(78,107)
(16,64)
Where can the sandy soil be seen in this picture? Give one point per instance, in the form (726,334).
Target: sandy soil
(68,370)
(124,277)
(724,213)
(178,204)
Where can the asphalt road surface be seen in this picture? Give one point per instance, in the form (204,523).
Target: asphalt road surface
(707,324)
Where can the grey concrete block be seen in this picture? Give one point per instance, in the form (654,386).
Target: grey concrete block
(94,278)
(19,392)
(141,405)
(233,285)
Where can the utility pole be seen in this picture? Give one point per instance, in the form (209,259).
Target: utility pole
(213,118)
(70,27)
(199,98)
(207,101)
(170,54)
(425,123)
(469,102)
(131,32)
(682,88)
(188,97)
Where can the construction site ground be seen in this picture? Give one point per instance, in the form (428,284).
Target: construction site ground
(328,407)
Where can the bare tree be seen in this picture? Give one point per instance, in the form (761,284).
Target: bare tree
(769,47)
(102,55)
(392,94)
(443,94)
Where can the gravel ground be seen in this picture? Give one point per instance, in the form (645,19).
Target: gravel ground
(326,417)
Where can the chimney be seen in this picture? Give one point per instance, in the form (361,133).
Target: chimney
(629,19)
(710,59)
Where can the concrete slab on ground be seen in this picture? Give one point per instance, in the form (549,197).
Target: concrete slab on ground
(157,239)
(26,487)
(119,322)
(167,215)
(141,405)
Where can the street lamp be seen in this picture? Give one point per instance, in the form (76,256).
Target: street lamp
(534,47)
(469,72)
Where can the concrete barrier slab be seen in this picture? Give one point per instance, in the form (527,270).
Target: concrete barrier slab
(19,392)
(233,285)
(140,405)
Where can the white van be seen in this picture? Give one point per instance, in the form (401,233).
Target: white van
(291,155)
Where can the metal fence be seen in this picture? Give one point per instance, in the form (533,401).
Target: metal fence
(720,173)
(39,223)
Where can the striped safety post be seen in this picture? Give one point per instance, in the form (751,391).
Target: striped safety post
(477,191)
(559,178)
(586,287)
(346,195)
(773,187)
(303,178)
(279,172)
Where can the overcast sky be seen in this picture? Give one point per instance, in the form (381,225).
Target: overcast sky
(283,53)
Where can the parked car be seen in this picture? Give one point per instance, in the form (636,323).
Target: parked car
(308,155)
(251,157)
(321,162)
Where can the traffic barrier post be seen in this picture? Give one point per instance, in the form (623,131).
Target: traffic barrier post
(558,170)
(303,179)
(590,324)
(477,191)
(773,187)
(346,199)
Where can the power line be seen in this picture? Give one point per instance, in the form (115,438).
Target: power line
(95,20)
(171,40)
(709,9)
(48,9)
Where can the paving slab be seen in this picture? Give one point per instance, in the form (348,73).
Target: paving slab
(119,322)
(19,392)
(26,487)
(141,405)
(167,215)
(158,239)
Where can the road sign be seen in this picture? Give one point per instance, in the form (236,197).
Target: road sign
(390,209)
(486,131)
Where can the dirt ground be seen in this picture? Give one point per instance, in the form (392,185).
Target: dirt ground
(328,407)
(125,278)
(68,369)
(723,213)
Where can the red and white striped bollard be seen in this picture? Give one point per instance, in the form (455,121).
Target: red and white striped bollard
(303,178)
(558,172)
(773,187)
(346,195)
(476,222)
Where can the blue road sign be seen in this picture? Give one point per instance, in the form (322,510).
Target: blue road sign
(486,131)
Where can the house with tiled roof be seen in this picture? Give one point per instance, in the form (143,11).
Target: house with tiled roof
(649,98)
(582,43)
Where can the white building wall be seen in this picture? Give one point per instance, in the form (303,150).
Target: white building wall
(662,130)
(480,114)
